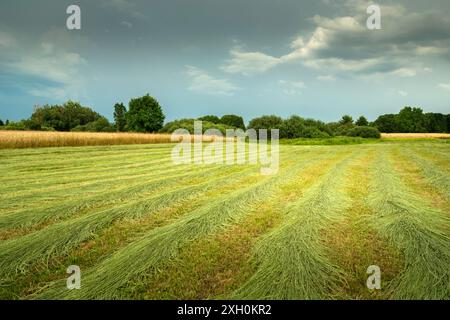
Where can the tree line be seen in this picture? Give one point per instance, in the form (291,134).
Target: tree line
(145,114)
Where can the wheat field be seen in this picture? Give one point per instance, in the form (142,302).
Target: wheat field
(416,135)
(141,227)
(40,139)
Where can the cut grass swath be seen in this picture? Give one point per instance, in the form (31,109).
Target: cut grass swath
(292,263)
(439,179)
(415,228)
(162,244)
(40,246)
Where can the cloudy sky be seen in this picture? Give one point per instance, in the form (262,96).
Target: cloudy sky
(249,57)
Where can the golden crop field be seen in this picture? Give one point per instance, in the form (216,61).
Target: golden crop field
(39,139)
(141,227)
(416,135)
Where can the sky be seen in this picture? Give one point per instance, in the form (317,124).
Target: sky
(313,58)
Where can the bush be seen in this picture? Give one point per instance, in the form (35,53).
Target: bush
(266,122)
(365,132)
(210,118)
(233,121)
(101,125)
(188,124)
(11,125)
(292,128)
(314,132)
(62,118)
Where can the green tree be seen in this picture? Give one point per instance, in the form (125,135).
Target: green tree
(362,122)
(6,122)
(210,118)
(100,125)
(1,123)
(435,122)
(233,120)
(188,124)
(346,120)
(120,119)
(145,115)
(63,118)
(411,120)
(387,123)
(292,128)
(266,122)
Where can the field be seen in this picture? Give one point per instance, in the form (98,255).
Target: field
(39,139)
(417,135)
(140,227)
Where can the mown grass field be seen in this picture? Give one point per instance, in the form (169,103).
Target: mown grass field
(141,227)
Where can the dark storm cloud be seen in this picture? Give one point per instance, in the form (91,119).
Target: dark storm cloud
(232,56)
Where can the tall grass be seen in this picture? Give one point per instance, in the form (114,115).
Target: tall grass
(415,228)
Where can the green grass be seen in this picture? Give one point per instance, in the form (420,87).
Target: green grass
(141,227)
(329,141)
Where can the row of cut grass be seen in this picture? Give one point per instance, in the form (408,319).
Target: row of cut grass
(160,245)
(216,265)
(416,228)
(292,262)
(60,238)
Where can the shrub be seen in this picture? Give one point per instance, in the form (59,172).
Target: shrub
(101,125)
(11,125)
(233,121)
(365,132)
(62,118)
(314,132)
(292,128)
(210,118)
(188,124)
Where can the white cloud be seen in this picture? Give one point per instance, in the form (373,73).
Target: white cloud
(404,72)
(126,24)
(344,44)
(445,86)
(50,64)
(249,63)
(56,65)
(292,87)
(327,77)
(402,93)
(202,82)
